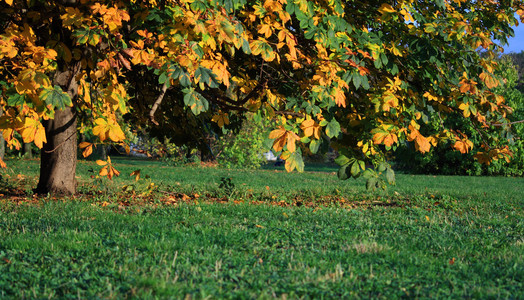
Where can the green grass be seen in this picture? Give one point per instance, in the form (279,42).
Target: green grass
(426,237)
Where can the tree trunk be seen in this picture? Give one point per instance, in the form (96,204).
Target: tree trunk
(28,151)
(59,155)
(2,146)
(2,140)
(103,152)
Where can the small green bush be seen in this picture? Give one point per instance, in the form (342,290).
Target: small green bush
(244,148)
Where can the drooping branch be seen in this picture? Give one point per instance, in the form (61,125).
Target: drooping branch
(157,103)
(504,124)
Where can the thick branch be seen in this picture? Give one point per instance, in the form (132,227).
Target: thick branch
(290,113)
(157,103)
(226,105)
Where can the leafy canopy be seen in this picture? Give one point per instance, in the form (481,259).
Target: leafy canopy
(361,76)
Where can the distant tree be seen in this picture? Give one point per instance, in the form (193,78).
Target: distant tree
(439,161)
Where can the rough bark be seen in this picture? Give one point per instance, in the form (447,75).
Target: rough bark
(59,154)
(2,141)
(2,147)
(103,152)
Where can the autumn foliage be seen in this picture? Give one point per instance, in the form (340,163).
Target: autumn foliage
(360,76)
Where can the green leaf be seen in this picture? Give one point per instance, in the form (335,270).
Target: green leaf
(293,160)
(206,76)
(162,78)
(355,169)
(333,128)
(195,101)
(16,100)
(362,164)
(314,146)
(184,79)
(365,82)
(357,81)
(368,173)
(343,160)
(245,47)
(305,140)
(342,173)
(82,35)
(56,98)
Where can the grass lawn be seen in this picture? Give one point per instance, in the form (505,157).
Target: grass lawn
(209,232)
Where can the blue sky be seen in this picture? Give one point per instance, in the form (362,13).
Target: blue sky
(516,44)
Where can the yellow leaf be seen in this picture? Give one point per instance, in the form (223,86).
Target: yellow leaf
(40,137)
(136,173)
(103,171)
(465,107)
(115,133)
(386,9)
(277,133)
(9,2)
(100,129)
(311,128)
(265,29)
(291,140)
(33,131)
(101,162)
(108,129)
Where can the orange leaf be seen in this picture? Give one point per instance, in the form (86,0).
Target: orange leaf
(83,145)
(340,98)
(221,119)
(422,144)
(103,171)
(280,138)
(101,162)
(463,146)
(87,151)
(136,173)
(489,80)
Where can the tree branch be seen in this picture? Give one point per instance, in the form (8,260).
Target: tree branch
(504,124)
(157,103)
